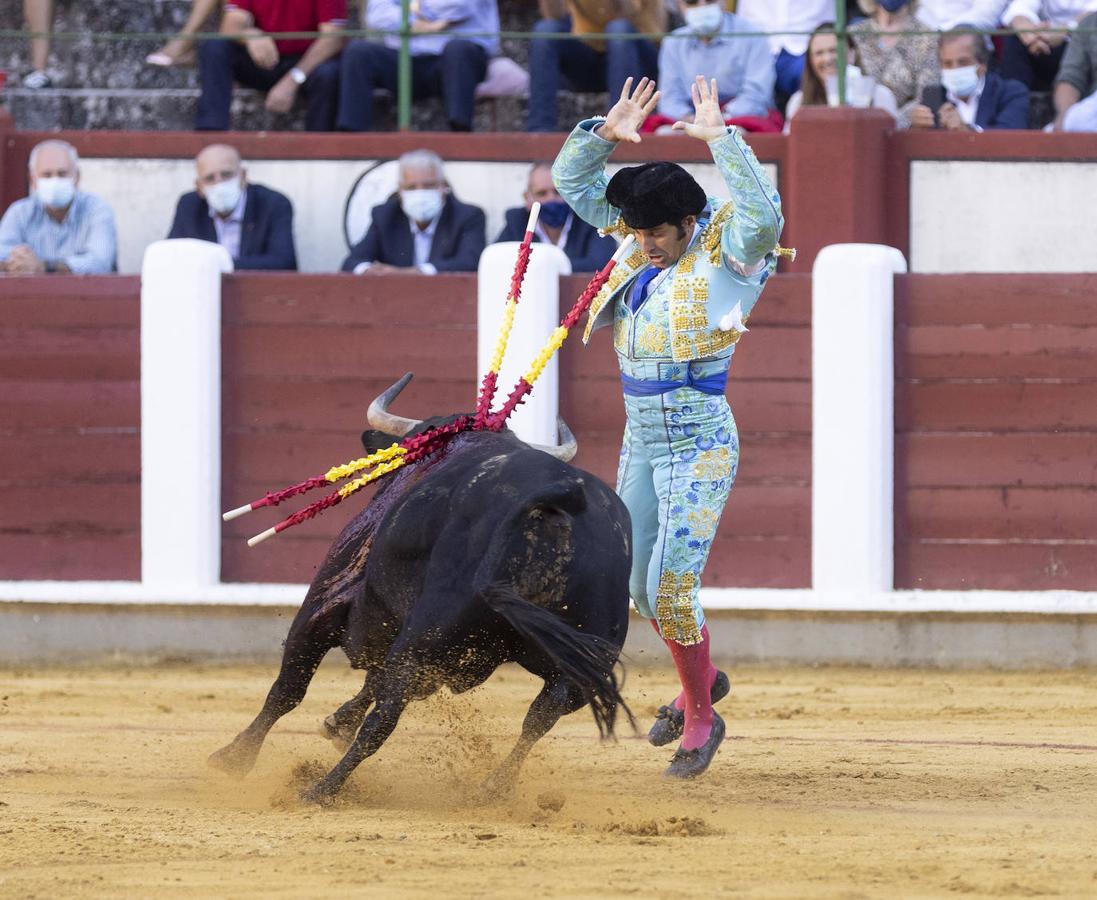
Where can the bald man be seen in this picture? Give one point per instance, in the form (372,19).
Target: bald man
(252,222)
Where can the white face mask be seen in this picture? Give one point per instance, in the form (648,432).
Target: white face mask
(704,19)
(55,193)
(223,196)
(421,205)
(962,81)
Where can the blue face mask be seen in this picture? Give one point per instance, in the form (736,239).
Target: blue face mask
(554,213)
(892,5)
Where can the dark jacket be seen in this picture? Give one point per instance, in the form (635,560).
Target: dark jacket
(1003,103)
(458,240)
(587,250)
(266,234)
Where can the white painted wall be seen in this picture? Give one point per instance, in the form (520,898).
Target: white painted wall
(979,216)
(143,193)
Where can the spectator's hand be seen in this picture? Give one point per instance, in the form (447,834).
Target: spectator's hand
(1052,38)
(432,26)
(262,50)
(623,121)
(380,268)
(23,261)
(708,118)
(950,119)
(280,97)
(921,116)
(1034,41)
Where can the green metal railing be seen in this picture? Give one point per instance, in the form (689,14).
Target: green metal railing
(405,35)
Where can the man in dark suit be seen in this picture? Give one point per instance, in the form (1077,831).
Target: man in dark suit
(975,98)
(422,227)
(252,222)
(557,224)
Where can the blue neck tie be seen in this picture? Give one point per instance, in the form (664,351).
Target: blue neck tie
(640,289)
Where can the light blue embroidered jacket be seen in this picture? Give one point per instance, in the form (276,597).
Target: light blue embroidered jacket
(708,280)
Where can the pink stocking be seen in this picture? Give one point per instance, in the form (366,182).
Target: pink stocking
(696,673)
(680,700)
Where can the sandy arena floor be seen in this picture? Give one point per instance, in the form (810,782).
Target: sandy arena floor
(836,783)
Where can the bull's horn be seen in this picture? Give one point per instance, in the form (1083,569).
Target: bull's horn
(380,418)
(568,446)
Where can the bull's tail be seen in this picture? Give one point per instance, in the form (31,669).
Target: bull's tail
(585,660)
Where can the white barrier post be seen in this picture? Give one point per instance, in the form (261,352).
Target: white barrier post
(537,315)
(853,400)
(181,414)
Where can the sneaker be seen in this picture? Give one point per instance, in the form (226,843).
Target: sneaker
(37,80)
(670,721)
(687,764)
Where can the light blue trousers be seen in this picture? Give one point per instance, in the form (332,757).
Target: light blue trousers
(678,460)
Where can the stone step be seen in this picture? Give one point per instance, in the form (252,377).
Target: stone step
(90,61)
(173,109)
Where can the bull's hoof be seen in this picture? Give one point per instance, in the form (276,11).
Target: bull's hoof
(318,795)
(341,738)
(232,760)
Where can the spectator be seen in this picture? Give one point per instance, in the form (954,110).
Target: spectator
(742,66)
(58,228)
(179,51)
(788,49)
(975,99)
(1033,57)
(557,224)
(945,15)
(252,222)
(442,62)
(39,16)
(422,227)
(279,67)
(903,63)
(590,65)
(1077,80)
(822,61)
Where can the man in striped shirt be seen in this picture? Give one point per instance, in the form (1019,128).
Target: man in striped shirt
(58,228)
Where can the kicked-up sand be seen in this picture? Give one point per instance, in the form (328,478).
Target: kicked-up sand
(834,782)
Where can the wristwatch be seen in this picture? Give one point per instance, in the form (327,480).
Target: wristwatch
(297,75)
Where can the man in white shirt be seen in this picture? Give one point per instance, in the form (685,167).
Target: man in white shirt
(1033,54)
(788,49)
(944,15)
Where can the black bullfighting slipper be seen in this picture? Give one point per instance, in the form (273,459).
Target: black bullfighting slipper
(670,721)
(691,763)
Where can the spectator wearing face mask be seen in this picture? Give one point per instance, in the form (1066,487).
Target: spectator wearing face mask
(893,46)
(715,47)
(252,222)
(422,227)
(975,99)
(557,224)
(58,228)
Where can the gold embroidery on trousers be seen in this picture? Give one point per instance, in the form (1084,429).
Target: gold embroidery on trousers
(674,608)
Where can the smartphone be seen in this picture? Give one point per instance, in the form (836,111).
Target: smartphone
(933,96)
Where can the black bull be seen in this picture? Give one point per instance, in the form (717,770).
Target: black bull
(488,552)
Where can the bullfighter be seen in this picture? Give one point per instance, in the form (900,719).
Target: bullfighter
(678,305)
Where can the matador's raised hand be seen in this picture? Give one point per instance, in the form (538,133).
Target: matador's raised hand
(623,121)
(708,118)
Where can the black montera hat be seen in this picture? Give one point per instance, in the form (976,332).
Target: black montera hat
(655,193)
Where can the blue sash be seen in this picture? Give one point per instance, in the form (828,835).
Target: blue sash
(708,384)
